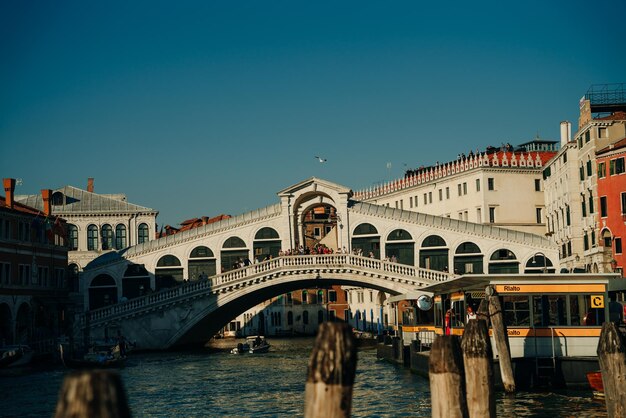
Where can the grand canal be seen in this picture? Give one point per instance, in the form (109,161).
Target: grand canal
(213,382)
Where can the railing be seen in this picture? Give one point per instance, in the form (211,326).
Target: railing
(234,277)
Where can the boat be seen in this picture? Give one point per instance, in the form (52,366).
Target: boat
(96,358)
(259,345)
(254,345)
(595,381)
(15,355)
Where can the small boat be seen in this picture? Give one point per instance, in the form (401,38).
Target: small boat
(15,355)
(96,358)
(253,345)
(259,345)
(595,381)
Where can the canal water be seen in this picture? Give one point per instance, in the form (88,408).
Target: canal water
(214,383)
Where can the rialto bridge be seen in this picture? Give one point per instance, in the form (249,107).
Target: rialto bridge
(183,288)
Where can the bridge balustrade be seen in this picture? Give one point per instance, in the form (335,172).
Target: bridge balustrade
(231,278)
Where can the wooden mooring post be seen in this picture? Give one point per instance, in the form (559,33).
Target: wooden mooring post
(478,365)
(92,394)
(502,343)
(445,372)
(612,359)
(331,372)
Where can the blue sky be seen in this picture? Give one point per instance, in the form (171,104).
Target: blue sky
(200,107)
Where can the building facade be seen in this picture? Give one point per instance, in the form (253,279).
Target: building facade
(501,187)
(34,291)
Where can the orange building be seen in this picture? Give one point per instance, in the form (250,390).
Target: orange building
(612,200)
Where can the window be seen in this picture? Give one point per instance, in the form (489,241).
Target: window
(589,168)
(430,197)
(447,193)
(581,172)
(92,237)
(142,235)
(585,242)
(587,136)
(516,311)
(478,185)
(107,237)
(425,198)
(549,310)
(459,189)
(601,170)
(464,188)
(583,207)
(332,296)
(440,194)
(538,214)
(492,215)
(317,231)
(590,202)
(567,216)
(602,132)
(490,184)
(5,273)
(410,201)
(304,297)
(603,211)
(120,236)
(479,216)
(619,165)
(72,234)
(618,245)
(537,185)
(623,195)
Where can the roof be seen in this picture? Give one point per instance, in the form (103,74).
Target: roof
(613,116)
(19,207)
(544,156)
(81,201)
(614,146)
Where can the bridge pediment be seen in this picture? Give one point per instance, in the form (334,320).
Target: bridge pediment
(315,185)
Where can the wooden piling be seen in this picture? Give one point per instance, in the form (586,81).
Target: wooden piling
(331,372)
(483,311)
(445,372)
(501,338)
(612,359)
(478,365)
(92,394)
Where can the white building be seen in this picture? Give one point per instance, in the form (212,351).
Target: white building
(501,188)
(570,180)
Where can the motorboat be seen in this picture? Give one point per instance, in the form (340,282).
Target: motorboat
(97,358)
(15,355)
(595,381)
(254,345)
(258,345)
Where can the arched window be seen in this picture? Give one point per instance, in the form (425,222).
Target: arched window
(142,234)
(503,261)
(320,296)
(400,247)
(468,259)
(120,236)
(58,199)
(72,235)
(92,237)
(202,263)
(539,263)
(168,272)
(434,253)
(305,317)
(72,277)
(267,244)
(366,240)
(102,291)
(304,297)
(107,237)
(233,253)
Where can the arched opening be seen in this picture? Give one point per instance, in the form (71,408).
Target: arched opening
(107,237)
(503,261)
(23,324)
(102,291)
(58,199)
(366,240)
(72,237)
(120,236)
(434,253)
(266,244)
(6,333)
(607,239)
(92,237)
(400,247)
(202,263)
(168,272)
(539,263)
(234,253)
(136,281)
(319,225)
(72,277)
(142,233)
(468,259)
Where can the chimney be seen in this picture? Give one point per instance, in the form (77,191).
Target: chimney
(566,133)
(46,195)
(9,190)
(90,184)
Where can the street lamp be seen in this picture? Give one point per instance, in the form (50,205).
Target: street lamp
(545,266)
